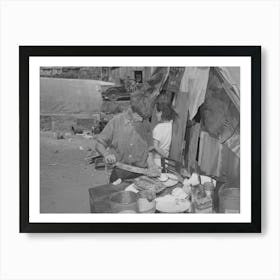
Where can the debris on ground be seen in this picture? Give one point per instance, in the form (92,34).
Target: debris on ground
(59,136)
(67,134)
(87,136)
(76,130)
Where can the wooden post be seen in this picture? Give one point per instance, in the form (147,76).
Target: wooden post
(179,126)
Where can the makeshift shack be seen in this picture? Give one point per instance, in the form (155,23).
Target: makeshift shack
(206,133)
(205,141)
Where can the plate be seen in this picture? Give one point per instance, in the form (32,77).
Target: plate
(172,180)
(163,177)
(171,204)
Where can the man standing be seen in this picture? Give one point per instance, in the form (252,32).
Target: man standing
(127,138)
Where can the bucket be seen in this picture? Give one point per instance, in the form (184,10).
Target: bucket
(229,200)
(124,202)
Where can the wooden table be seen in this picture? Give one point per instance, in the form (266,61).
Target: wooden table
(99,196)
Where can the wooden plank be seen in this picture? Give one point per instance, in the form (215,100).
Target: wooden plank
(191,163)
(179,126)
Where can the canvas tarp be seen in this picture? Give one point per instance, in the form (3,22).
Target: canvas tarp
(220,112)
(70,96)
(218,142)
(191,92)
(212,99)
(214,93)
(194,82)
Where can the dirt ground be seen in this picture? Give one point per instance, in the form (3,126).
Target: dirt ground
(65,177)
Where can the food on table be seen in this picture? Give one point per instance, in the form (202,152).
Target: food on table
(172,180)
(179,193)
(163,177)
(171,204)
(146,183)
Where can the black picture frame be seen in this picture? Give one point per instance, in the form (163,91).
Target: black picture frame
(25,52)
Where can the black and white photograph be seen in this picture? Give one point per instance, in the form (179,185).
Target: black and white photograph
(139,135)
(144,139)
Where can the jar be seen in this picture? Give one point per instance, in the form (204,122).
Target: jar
(146,201)
(209,189)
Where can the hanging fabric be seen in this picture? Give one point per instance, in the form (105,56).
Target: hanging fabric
(194,81)
(220,114)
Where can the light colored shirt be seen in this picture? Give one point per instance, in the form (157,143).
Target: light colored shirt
(129,138)
(163,134)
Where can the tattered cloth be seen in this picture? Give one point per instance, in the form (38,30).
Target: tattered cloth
(220,112)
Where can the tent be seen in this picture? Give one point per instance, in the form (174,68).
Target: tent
(70,96)
(206,134)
